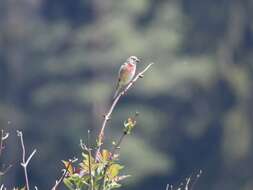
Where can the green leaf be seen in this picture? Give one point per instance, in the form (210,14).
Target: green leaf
(113,170)
(68,184)
(129,125)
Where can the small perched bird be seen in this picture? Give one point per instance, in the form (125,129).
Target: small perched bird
(126,73)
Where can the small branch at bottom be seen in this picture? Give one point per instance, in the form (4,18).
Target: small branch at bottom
(25,162)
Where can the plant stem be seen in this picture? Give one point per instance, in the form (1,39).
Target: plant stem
(89,157)
(58,182)
(117,145)
(114,103)
(111,157)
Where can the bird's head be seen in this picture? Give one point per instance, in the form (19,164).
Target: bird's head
(133,59)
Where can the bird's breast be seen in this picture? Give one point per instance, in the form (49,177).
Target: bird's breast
(127,73)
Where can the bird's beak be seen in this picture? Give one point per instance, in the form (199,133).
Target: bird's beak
(138,60)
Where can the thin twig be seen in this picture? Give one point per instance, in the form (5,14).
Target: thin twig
(59,181)
(169,187)
(187,183)
(196,179)
(88,149)
(25,162)
(110,158)
(114,103)
(117,146)
(190,182)
(89,157)
(2,187)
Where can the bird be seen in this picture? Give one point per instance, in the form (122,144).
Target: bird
(126,74)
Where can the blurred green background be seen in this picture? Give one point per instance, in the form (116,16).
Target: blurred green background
(58,67)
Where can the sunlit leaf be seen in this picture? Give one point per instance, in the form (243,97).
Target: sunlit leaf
(129,125)
(106,154)
(68,167)
(114,170)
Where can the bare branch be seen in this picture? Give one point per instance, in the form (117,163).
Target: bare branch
(187,183)
(169,187)
(25,162)
(196,179)
(2,187)
(117,145)
(190,182)
(114,103)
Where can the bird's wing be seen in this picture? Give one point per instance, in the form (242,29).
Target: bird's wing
(122,70)
(119,75)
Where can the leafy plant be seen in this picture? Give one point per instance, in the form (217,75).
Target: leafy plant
(105,173)
(103,170)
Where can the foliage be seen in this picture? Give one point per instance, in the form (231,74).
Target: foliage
(102,174)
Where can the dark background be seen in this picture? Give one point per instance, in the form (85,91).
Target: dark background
(58,67)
